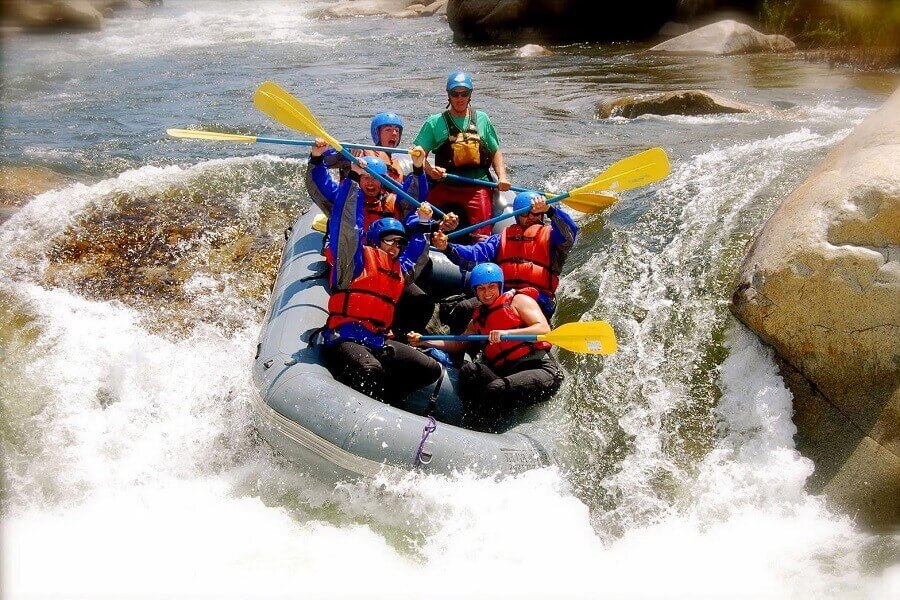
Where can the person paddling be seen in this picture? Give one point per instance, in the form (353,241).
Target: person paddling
(377,202)
(366,282)
(530,252)
(507,375)
(464,142)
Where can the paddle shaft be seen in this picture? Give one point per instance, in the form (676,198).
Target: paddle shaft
(388,183)
(199,134)
(589,337)
(503,216)
(483,182)
(514,337)
(310,143)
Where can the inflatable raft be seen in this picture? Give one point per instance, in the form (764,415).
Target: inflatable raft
(310,418)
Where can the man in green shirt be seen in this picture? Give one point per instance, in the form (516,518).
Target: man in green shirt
(464,142)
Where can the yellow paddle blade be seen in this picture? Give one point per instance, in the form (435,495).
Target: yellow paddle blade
(588,337)
(320,223)
(272,88)
(210,135)
(589,202)
(287,110)
(643,168)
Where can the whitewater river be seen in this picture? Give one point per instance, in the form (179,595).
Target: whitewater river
(130,303)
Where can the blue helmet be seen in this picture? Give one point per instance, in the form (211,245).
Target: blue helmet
(523,200)
(382,119)
(376,164)
(486,273)
(459,79)
(383,227)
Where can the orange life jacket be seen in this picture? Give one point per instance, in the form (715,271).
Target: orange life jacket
(371,297)
(501,315)
(384,206)
(524,256)
(395,171)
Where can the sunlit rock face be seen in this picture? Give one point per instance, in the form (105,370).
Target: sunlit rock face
(821,284)
(724,37)
(65,15)
(371,8)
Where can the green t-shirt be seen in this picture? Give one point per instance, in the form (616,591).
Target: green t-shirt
(434,132)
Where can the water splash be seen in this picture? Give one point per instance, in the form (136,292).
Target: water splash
(664,285)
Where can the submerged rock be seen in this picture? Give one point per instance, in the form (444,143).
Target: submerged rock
(183,256)
(821,284)
(725,37)
(531,50)
(20,184)
(682,102)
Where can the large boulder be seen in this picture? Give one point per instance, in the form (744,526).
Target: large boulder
(556,20)
(78,14)
(725,37)
(681,102)
(821,284)
(64,15)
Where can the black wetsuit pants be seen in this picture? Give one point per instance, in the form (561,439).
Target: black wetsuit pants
(388,374)
(488,395)
(413,311)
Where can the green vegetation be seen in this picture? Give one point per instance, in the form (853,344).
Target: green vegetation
(864,33)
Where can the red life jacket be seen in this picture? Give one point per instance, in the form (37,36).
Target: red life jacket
(384,206)
(501,315)
(371,297)
(395,171)
(524,256)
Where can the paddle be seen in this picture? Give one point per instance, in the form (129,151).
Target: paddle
(250,139)
(590,203)
(290,112)
(482,182)
(643,168)
(587,337)
(591,206)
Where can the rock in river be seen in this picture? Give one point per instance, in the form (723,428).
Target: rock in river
(821,284)
(725,37)
(680,102)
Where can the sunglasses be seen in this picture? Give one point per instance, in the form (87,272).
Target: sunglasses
(462,94)
(394,241)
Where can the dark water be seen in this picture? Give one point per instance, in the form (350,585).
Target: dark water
(130,306)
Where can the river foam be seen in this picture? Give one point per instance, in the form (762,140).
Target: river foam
(166,468)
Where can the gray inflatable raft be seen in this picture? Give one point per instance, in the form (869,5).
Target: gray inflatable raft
(310,418)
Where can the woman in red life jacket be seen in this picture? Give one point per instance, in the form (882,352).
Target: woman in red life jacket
(366,281)
(508,374)
(464,142)
(531,252)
